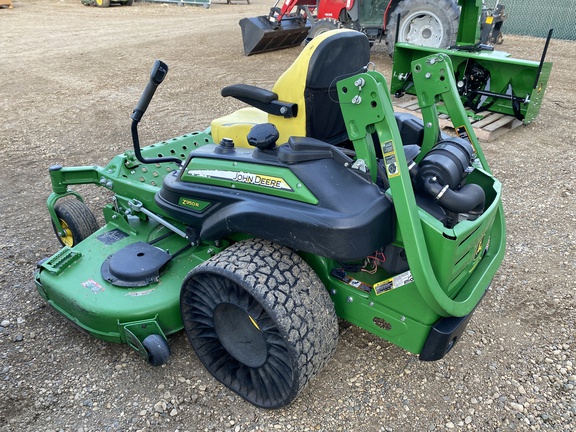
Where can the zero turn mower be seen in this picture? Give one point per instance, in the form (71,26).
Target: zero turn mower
(254,235)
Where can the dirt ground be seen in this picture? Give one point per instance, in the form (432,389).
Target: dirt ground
(69,78)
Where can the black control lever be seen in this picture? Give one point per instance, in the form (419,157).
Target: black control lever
(543,58)
(157,75)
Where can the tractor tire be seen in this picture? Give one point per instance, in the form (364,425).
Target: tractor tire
(431,23)
(128,3)
(76,219)
(260,320)
(322,26)
(102,3)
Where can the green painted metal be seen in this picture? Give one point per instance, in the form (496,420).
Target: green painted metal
(450,269)
(420,234)
(522,78)
(399,316)
(254,177)
(124,174)
(521,75)
(468,27)
(76,287)
(80,293)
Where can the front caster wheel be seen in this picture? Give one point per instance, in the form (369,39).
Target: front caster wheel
(77,220)
(260,321)
(157,349)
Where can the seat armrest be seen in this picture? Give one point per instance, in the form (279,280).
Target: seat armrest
(245,92)
(262,99)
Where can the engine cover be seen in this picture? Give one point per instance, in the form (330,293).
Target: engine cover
(313,202)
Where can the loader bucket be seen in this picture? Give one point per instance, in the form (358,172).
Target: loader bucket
(260,35)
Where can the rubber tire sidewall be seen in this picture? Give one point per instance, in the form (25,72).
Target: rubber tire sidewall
(446,10)
(322,26)
(305,319)
(157,349)
(79,218)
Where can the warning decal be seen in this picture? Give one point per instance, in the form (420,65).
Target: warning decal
(93,286)
(464,134)
(393,282)
(390,159)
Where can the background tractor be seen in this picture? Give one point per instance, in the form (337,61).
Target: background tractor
(421,22)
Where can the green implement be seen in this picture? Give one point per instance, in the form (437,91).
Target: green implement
(487,80)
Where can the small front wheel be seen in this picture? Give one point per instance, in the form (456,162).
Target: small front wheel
(77,221)
(157,349)
(102,3)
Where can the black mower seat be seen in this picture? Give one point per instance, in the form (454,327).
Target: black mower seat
(307,91)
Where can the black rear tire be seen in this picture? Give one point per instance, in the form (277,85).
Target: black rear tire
(76,219)
(432,23)
(260,321)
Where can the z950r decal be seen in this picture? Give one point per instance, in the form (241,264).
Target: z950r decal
(244,177)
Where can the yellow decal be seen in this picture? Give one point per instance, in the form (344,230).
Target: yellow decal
(190,203)
(254,322)
(390,159)
(477,255)
(463,133)
(393,282)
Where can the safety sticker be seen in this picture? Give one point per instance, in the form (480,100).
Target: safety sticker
(244,177)
(390,159)
(93,286)
(387,147)
(393,283)
(341,274)
(112,236)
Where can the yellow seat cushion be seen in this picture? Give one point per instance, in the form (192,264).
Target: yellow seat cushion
(237,125)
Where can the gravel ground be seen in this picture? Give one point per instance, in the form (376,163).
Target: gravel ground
(70,76)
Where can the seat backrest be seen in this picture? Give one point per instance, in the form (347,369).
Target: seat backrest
(311,83)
